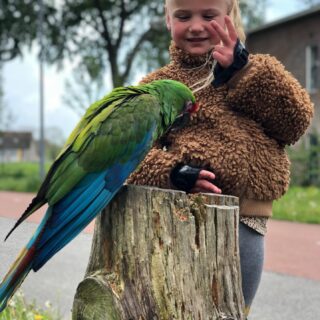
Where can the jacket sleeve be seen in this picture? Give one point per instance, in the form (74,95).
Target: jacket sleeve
(270,95)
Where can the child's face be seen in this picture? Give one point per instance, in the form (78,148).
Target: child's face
(189,23)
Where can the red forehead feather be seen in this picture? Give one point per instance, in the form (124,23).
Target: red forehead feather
(195,107)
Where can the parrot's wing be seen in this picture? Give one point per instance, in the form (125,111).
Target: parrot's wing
(85,200)
(116,135)
(109,102)
(115,98)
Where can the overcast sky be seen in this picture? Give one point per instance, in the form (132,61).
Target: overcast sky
(21,85)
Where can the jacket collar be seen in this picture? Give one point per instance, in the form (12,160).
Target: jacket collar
(186,60)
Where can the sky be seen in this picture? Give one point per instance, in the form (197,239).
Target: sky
(21,85)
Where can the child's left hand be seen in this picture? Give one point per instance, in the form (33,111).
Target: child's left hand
(223,52)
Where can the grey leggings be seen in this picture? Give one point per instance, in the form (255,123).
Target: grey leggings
(251,245)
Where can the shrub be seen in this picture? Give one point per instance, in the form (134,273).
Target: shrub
(23,177)
(305,161)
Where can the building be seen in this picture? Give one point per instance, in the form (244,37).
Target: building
(295,41)
(17,147)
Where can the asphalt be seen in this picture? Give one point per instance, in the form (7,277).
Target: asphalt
(290,286)
(57,281)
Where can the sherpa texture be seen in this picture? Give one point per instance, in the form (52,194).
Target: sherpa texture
(240,130)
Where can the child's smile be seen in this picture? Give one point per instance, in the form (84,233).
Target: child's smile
(197,39)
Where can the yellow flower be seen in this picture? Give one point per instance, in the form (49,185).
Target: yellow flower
(38,317)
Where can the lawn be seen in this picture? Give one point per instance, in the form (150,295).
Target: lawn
(23,177)
(300,204)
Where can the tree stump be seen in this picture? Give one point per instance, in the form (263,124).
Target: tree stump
(162,254)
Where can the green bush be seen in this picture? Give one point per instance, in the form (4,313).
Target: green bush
(305,161)
(21,177)
(18,309)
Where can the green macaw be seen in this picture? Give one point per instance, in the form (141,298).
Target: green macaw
(107,145)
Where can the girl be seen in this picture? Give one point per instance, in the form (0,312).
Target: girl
(250,109)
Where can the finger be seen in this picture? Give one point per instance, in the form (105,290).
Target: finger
(213,30)
(224,36)
(224,56)
(223,60)
(206,185)
(219,48)
(205,174)
(231,29)
(214,34)
(224,51)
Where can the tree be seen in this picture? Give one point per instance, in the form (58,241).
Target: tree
(1,98)
(86,86)
(18,26)
(6,116)
(113,33)
(253,12)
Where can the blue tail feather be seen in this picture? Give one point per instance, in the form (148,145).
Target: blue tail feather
(111,179)
(83,186)
(22,266)
(78,199)
(57,236)
(64,235)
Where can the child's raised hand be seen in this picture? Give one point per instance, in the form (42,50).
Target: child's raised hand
(223,52)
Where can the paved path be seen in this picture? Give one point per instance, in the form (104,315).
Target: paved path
(13,204)
(293,249)
(290,286)
(57,281)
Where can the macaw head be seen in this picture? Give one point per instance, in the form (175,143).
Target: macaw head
(177,103)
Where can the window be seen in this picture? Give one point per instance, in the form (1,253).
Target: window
(312,68)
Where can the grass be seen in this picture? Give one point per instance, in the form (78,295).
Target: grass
(23,177)
(18,309)
(300,204)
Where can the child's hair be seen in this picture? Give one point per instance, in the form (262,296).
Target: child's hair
(235,16)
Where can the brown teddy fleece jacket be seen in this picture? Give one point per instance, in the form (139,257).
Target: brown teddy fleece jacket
(239,132)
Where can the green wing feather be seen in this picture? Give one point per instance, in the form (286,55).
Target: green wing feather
(103,127)
(109,102)
(108,131)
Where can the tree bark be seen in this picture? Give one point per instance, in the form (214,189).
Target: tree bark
(161,254)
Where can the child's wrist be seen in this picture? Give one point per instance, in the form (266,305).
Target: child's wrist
(184,177)
(223,75)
